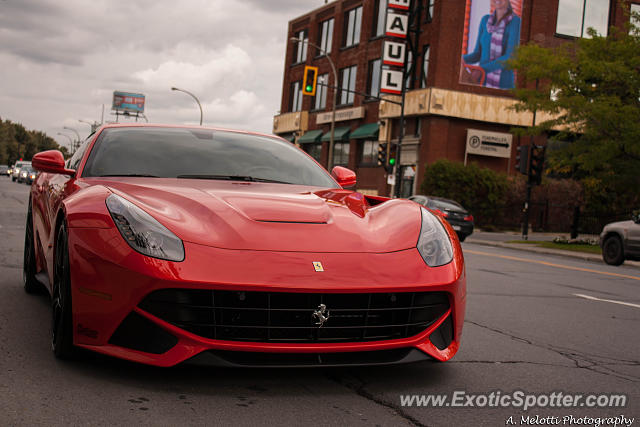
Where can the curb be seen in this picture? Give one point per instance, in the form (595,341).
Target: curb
(545,251)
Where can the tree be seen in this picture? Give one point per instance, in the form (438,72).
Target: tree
(590,91)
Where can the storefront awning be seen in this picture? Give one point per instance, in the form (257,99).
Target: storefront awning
(310,136)
(288,136)
(339,134)
(368,131)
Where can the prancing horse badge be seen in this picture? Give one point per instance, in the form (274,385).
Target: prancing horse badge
(318,266)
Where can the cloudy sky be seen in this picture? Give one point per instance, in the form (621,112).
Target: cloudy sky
(61,60)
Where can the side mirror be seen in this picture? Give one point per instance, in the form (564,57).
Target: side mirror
(345,177)
(636,216)
(51,161)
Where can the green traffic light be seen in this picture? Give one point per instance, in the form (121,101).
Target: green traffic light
(309,88)
(392,162)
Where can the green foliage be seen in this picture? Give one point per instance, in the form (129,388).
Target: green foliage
(17,142)
(596,81)
(481,191)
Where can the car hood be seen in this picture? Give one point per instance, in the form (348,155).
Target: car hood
(273,217)
(619,226)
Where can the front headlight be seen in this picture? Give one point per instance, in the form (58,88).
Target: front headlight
(434,244)
(143,232)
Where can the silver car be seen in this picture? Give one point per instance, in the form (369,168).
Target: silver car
(621,240)
(16,168)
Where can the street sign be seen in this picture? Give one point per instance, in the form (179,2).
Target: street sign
(393,53)
(495,144)
(391,82)
(397,25)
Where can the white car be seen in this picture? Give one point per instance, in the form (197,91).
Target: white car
(621,240)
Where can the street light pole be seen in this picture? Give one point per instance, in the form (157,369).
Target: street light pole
(335,96)
(77,134)
(194,97)
(70,140)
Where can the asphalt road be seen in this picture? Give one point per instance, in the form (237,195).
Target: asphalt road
(525,330)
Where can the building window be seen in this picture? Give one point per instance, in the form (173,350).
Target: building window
(408,81)
(352,24)
(340,153)
(300,52)
(430,10)
(373,84)
(295,96)
(326,36)
(635,20)
(576,16)
(314,150)
(369,155)
(348,83)
(320,100)
(379,18)
(425,66)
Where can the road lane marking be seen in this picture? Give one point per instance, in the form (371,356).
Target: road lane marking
(550,264)
(607,300)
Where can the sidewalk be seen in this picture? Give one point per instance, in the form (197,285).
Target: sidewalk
(500,240)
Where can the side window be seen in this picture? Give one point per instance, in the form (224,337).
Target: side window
(74,161)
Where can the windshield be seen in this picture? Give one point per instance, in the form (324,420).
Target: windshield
(201,154)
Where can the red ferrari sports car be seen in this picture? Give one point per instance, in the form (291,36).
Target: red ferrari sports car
(161,244)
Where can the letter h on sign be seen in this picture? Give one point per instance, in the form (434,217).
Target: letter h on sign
(399,4)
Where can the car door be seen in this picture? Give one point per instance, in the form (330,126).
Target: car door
(633,240)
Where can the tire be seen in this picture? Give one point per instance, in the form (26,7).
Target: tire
(613,251)
(61,312)
(31,284)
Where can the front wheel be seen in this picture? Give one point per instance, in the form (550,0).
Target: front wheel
(613,251)
(61,320)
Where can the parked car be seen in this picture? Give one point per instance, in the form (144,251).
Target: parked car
(16,169)
(165,243)
(4,170)
(621,240)
(459,218)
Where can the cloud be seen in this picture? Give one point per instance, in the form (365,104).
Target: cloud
(62,60)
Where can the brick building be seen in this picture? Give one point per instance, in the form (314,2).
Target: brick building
(441,112)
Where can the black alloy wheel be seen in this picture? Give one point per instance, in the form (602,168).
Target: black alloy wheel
(612,250)
(61,322)
(31,284)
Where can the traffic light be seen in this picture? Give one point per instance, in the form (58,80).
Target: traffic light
(310,80)
(382,155)
(393,155)
(522,159)
(536,164)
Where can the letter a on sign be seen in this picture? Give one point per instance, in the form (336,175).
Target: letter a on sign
(399,4)
(393,53)
(397,25)
(391,82)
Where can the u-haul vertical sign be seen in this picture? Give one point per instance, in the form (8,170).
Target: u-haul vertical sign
(391,82)
(399,4)
(393,53)
(397,25)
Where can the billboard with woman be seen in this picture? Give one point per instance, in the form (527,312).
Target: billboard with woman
(491,35)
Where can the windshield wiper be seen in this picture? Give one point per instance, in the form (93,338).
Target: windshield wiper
(130,174)
(232,178)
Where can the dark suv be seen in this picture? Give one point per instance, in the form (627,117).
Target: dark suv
(621,240)
(456,215)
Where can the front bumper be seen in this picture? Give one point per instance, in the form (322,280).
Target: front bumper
(110,281)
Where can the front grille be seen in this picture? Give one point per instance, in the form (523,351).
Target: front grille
(284,317)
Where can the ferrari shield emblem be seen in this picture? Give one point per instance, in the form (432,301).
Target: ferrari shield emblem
(317,265)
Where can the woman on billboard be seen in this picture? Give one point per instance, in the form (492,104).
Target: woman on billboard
(498,36)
